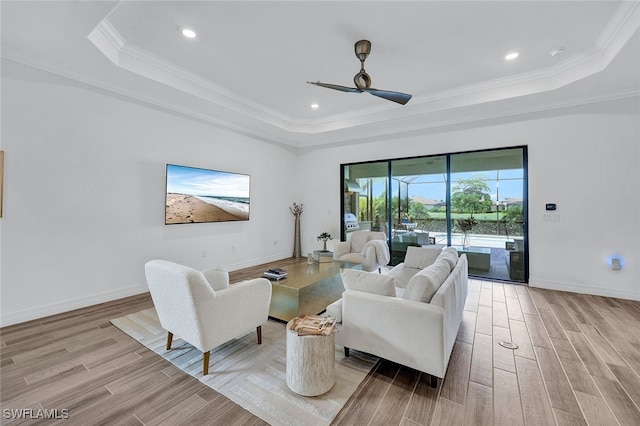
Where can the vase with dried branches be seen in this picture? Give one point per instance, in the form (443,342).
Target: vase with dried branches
(466,225)
(296,210)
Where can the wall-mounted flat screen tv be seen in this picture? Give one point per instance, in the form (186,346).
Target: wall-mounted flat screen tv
(200,195)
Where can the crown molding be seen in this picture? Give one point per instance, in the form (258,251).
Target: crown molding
(99,86)
(221,108)
(107,39)
(460,117)
(385,127)
(626,19)
(131,58)
(623,24)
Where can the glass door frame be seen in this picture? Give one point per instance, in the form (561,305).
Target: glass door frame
(448,217)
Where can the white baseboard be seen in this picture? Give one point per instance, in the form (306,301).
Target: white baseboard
(94,299)
(68,305)
(585,289)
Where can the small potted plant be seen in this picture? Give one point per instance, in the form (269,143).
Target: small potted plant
(324,237)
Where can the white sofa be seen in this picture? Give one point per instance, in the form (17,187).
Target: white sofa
(410,315)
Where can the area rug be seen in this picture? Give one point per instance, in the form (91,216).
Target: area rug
(251,375)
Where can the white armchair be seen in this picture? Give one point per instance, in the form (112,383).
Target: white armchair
(368,248)
(201,307)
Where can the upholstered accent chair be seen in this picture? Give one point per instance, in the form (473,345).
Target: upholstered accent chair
(202,308)
(368,248)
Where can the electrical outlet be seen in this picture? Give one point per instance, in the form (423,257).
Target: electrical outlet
(204,253)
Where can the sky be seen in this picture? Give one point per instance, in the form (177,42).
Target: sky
(194,181)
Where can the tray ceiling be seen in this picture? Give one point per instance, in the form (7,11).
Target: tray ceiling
(247,68)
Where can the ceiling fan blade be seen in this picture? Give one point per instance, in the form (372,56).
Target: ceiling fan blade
(401,98)
(336,87)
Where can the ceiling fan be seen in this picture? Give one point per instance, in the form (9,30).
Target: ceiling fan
(363,81)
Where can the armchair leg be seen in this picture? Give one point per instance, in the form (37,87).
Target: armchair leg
(346,351)
(205,363)
(169,339)
(259,333)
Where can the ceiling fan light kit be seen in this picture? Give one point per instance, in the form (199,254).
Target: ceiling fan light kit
(362,80)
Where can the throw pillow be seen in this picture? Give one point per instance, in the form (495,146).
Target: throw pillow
(450,255)
(420,257)
(426,283)
(369,282)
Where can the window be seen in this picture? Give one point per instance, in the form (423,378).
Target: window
(474,201)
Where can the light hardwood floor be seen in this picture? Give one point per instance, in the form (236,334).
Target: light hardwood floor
(578,362)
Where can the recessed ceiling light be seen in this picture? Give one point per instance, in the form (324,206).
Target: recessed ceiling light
(188,33)
(315,106)
(511,56)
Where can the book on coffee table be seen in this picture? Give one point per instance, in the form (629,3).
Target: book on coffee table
(310,325)
(275,273)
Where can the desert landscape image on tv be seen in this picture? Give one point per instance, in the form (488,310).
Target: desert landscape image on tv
(200,195)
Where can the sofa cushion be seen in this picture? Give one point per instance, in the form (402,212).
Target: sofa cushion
(402,274)
(420,257)
(425,283)
(450,255)
(334,310)
(352,258)
(369,282)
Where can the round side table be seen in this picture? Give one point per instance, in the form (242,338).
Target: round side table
(310,363)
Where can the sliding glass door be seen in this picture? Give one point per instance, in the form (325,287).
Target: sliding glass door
(473,201)
(487,212)
(419,192)
(365,197)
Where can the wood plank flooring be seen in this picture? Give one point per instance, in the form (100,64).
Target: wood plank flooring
(578,363)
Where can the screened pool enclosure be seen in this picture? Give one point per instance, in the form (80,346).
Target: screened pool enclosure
(473,201)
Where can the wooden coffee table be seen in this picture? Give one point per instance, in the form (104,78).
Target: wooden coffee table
(307,289)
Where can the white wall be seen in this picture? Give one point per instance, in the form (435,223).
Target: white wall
(84,195)
(586,160)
